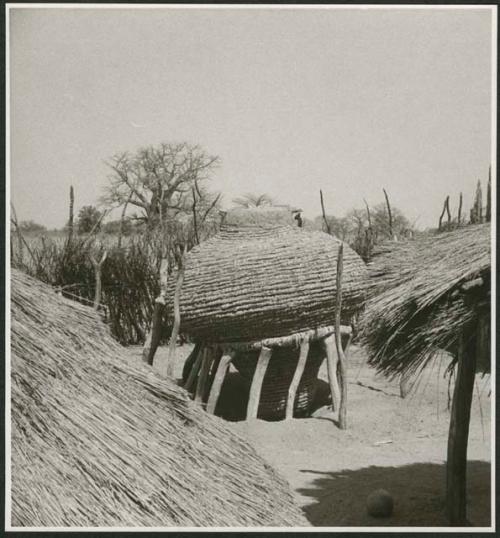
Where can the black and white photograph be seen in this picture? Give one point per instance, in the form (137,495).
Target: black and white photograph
(249,279)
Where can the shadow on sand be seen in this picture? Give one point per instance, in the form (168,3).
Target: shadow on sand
(418,491)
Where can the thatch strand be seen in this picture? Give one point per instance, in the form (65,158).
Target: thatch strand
(101,440)
(416,307)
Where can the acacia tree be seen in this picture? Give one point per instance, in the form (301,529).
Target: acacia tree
(253,200)
(159,181)
(88,219)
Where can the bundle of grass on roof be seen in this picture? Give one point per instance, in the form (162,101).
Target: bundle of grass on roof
(100,440)
(417,303)
(262,276)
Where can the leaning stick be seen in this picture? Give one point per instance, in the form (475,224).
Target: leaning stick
(215,391)
(297,376)
(329,231)
(331,363)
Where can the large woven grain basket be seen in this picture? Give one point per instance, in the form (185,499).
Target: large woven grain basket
(262,276)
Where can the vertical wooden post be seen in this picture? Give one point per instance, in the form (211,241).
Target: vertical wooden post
(391,232)
(258,378)
(338,343)
(97,264)
(460,203)
(220,374)
(331,363)
(193,374)
(447,203)
(153,338)
(456,469)
(208,357)
(71,206)
(445,206)
(327,225)
(488,197)
(297,376)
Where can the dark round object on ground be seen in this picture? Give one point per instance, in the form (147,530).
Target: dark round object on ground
(379,503)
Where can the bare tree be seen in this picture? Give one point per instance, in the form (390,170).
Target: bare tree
(158,180)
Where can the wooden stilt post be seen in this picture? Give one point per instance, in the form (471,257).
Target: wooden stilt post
(220,374)
(215,364)
(193,374)
(456,469)
(188,365)
(331,362)
(208,357)
(258,378)
(297,376)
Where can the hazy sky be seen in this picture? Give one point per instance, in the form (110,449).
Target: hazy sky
(292,101)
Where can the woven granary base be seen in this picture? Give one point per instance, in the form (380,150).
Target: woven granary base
(278,377)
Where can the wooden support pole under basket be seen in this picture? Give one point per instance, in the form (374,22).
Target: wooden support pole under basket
(456,467)
(201,386)
(193,374)
(331,363)
(294,385)
(220,375)
(258,378)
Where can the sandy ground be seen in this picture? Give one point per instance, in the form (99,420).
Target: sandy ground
(391,443)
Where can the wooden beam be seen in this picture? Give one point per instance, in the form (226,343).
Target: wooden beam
(220,374)
(331,362)
(208,357)
(297,376)
(456,468)
(258,378)
(193,374)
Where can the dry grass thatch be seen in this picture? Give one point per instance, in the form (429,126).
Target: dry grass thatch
(100,440)
(416,306)
(254,281)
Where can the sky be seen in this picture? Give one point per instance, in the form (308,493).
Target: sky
(292,101)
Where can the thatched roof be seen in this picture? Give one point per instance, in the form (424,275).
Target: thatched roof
(417,306)
(101,440)
(262,278)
